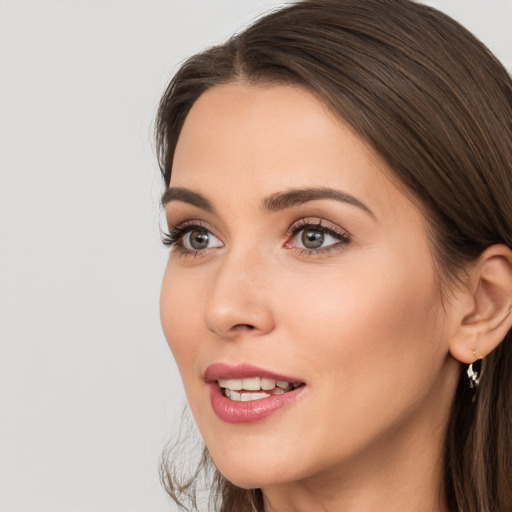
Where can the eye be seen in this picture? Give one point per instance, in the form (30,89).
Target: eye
(190,239)
(316,237)
(313,238)
(198,239)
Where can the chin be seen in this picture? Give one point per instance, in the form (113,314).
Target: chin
(247,479)
(257,468)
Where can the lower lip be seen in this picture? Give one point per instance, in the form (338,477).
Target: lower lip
(232,411)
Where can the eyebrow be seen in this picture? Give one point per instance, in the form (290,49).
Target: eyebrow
(296,197)
(273,203)
(187,196)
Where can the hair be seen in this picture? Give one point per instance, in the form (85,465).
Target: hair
(436,105)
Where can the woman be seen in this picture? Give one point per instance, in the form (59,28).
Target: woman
(339,288)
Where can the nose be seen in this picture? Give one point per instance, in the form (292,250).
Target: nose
(238,302)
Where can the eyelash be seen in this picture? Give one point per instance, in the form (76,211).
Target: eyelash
(174,238)
(341,235)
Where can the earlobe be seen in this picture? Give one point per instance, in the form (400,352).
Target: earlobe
(489,317)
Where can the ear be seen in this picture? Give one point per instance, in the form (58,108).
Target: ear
(486,308)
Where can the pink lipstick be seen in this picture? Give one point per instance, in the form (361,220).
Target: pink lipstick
(245,393)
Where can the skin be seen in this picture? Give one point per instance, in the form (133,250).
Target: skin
(361,322)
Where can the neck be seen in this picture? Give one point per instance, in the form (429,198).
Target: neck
(390,485)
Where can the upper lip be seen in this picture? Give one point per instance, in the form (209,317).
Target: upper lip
(243,371)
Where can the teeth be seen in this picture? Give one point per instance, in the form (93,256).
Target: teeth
(267,384)
(235,384)
(251,384)
(244,397)
(256,384)
(247,397)
(232,395)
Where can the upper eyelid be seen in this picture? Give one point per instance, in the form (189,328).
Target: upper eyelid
(296,226)
(319,224)
(192,223)
(188,225)
(177,213)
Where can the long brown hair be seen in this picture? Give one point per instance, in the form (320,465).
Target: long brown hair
(437,106)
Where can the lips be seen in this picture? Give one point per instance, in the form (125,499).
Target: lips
(245,393)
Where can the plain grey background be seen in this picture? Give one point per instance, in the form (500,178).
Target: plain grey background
(88,389)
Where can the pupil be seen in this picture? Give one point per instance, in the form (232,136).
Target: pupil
(312,238)
(199,239)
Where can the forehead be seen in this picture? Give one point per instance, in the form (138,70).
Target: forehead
(262,139)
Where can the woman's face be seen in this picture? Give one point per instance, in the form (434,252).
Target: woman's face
(295,258)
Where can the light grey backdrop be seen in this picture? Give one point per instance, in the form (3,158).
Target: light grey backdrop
(88,389)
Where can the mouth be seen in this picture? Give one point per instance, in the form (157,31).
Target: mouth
(255,388)
(246,394)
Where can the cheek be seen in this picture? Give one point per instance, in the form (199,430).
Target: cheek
(180,318)
(367,327)
(367,343)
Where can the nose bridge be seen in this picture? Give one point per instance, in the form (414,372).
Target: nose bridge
(238,300)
